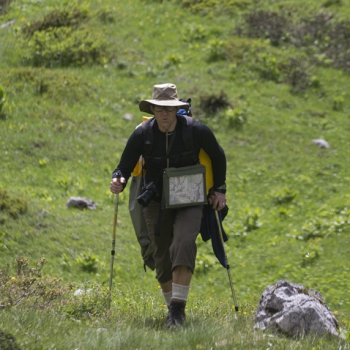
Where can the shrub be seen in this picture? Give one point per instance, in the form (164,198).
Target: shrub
(284,195)
(214,103)
(8,342)
(88,262)
(61,86)
(251,219)
(245,52)
(106,15)
(314,228)
(24,285)
(310,255)
(172,60)
(216,50)
(236,117)
(298,76)
(3,6)
(268,68)
(194,32)
(267,25)
(329,3)
(214,6)
(320,34)
(338,103)
(12,206)
(63,47)
(311,30)
(89,303)
(56,19)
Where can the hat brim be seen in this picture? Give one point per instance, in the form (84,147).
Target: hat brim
(145,105)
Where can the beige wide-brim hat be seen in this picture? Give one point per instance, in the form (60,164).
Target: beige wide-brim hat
(163,95)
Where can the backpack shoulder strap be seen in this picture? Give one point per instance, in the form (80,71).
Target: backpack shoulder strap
(187,134)
(148,137)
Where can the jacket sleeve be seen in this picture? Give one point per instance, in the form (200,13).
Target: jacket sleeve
(130,155)
(208,142)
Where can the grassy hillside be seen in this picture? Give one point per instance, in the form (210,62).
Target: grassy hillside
(267,77)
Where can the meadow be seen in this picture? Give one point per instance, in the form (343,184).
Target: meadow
(268,78)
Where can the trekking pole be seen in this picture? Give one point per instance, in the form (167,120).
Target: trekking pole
(227,264)
(113,246)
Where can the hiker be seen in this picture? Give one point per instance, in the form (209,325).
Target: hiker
(173,232)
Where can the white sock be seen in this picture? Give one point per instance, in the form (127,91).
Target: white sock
(167,296)
(180,292)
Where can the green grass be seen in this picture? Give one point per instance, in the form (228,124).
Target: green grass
(201,332)
(62,131)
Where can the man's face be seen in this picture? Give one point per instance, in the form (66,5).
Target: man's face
(165,116)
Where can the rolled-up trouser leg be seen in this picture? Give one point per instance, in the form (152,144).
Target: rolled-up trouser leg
(161,243)
(176,243)
(183,249)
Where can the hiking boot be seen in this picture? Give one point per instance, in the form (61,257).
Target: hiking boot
(176,316)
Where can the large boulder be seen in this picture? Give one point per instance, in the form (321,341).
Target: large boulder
(291,309)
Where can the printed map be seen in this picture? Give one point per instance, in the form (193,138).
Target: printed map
(186,189)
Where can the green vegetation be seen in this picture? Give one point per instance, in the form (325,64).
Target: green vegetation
(268,77)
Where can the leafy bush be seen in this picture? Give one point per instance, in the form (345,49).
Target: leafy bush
(338,103)
(214,6)
(63,87)
(298,75)
(12,206)
(268,68)
(56,19)
(294,71)
(173,59)
(251,219)
(267,25)
(88,262)
(244,52)
(24,285)
(314,228)
(320,34)
(215,50)
(329,3)
(63,47)
(8,342)
(3,6)
(106,15)
(311,30)
(194,32)
(236,117)
(310,255)
(214,103)
(284,195)
(89,303)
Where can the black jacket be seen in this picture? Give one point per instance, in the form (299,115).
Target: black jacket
(179,156)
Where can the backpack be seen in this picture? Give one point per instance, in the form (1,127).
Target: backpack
(136,184)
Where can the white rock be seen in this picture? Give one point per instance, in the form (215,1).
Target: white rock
(321,143)
(128,116)
(78,292)
(81,291)
(292,309)
(81,203)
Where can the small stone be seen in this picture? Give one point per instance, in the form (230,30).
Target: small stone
(320,143)
(81,203)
